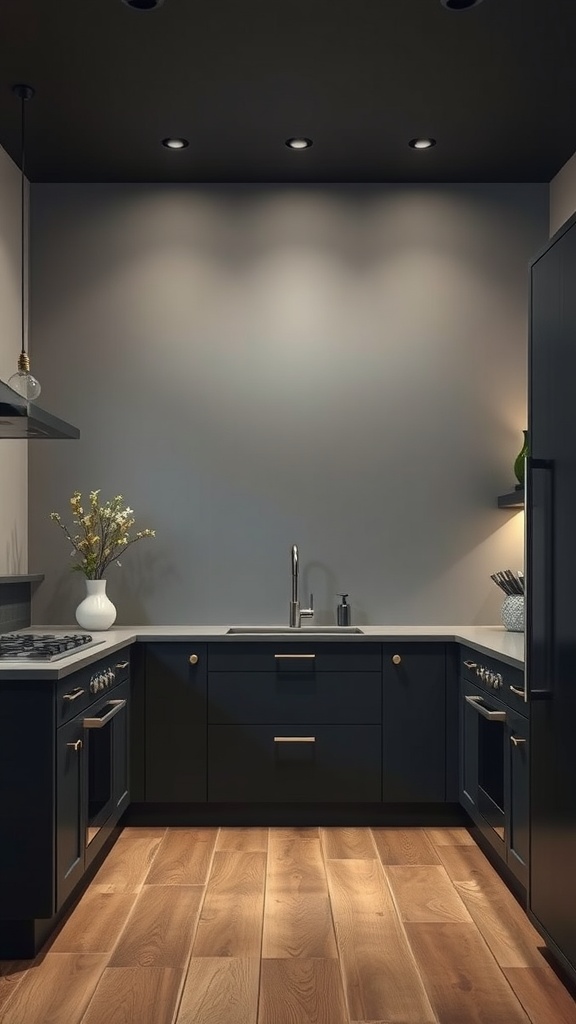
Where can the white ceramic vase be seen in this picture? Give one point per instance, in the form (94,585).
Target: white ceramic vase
(96,611)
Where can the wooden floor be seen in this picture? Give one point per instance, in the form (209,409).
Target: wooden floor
(291,926)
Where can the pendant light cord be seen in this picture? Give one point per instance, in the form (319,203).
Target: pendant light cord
(24,93)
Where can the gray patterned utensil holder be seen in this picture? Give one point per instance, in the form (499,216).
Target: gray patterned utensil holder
(513,613)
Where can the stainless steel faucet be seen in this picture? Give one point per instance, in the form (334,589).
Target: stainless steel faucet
(296,612)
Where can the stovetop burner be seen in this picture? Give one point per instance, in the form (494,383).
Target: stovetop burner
(43,646)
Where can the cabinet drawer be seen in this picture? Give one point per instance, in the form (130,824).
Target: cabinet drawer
(75,692)
(299,655)
(286,696)
(510,685)
(294,764)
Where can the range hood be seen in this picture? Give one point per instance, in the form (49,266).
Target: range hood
(24,420)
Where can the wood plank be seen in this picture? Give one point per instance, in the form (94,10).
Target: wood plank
(425,893)
(57,989)
(220,990)
(450,837)
(231,920)
(514,942)
(461,976)
(243,840)
(381,980)
(127,864)
(302,991)
(143,832)
(134,995)
(404,846)
(95,923)
(542,994)
(161,928)
(11,974)
(183,858)
(297,913)
(348,844)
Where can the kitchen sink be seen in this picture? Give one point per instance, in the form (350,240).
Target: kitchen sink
(293,630)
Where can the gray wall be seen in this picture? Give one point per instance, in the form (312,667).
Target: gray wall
(251,366)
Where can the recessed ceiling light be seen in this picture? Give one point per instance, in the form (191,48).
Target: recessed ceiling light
(143,5)
(175,143)
(422,143)
(459,5)
(300,143)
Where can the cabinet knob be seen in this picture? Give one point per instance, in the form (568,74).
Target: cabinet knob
(77,745)
(193,659)
(396,658)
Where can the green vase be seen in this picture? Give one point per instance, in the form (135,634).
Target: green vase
(519,462)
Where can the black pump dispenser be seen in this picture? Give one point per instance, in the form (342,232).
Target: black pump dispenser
(343,611)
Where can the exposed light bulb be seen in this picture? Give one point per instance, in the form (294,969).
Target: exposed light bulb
(24,382)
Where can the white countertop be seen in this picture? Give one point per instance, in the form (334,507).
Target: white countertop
(490,640)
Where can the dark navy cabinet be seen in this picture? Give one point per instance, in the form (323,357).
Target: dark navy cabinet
(63,787)
(70,813)
(414,723)
(519,804)
(296,722)
(175,723)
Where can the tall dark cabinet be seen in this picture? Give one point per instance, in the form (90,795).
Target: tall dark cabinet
(551,593)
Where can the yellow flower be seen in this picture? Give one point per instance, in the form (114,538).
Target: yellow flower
(105,532)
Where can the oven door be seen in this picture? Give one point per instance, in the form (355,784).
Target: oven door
(483,738)
(105,732)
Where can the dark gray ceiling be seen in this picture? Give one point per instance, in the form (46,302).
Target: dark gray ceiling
(495,85)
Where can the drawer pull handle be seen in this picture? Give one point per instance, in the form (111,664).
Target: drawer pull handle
(294,655)
(97,723)
(492,716)
(74,695)
(77,745)
(470,664)
(294,739)
(396,659)
(122,664)
(517,691)
(193,659)
(517,740)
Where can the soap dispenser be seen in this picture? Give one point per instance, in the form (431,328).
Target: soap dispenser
(343,611)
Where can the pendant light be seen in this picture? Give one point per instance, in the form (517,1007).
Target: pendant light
(23,382)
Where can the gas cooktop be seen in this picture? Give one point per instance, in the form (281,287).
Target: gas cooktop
(43,646)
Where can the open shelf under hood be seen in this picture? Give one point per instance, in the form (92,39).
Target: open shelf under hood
(20,419)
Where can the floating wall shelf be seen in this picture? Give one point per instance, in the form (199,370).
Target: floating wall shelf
(513,500)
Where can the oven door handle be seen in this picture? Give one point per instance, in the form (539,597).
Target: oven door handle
(97,723)
(492,716)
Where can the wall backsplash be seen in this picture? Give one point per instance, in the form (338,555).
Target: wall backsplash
(252,366)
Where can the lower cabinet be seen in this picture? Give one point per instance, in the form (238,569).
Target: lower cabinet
(63,787)
(519,803)
(414,723)
(276,764)
(294,722)
(70,807)
(175,726)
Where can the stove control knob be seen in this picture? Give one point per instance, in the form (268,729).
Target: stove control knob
(482,672)
(497,681)
(491,679)
(111,677)
(101,682)
(93,686)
